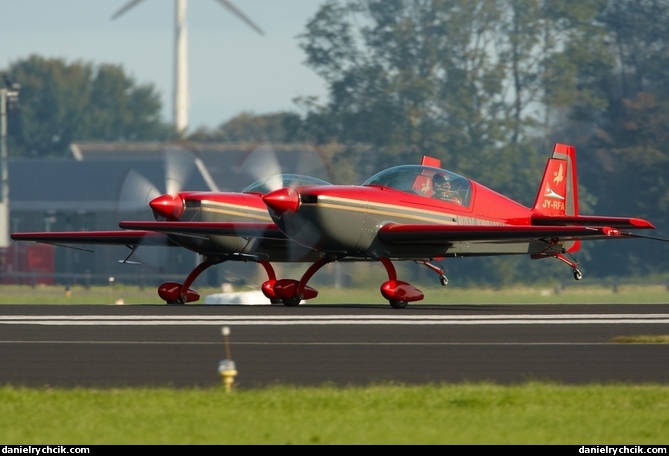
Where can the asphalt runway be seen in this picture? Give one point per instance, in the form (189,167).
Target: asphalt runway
(181,346)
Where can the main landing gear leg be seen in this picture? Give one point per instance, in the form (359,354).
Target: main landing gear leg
(268,286)
(176,293)
(397,292)
(291,292)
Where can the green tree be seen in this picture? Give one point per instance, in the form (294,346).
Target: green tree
(63,103)
(463,80)
(281,127)
(628,161)
(466,81)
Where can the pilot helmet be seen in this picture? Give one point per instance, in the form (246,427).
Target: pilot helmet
(440,181)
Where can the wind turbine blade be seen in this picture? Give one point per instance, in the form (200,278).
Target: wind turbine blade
(125,8)
(233,9)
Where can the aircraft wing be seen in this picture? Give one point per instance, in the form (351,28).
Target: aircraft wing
(447,234)
(244,229)
(116,237)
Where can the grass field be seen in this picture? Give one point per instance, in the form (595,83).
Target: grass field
(385,414)
(477,414)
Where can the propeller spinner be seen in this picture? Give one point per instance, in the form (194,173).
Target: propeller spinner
(283,200)
(168,206)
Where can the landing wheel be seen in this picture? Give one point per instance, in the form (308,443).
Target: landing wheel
(578,275)
(176,302)
(443,280)
(292,301)
(397,304)
(275,301)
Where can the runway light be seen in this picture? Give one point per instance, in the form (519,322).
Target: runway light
(226,367)
(228,371)
(111,290)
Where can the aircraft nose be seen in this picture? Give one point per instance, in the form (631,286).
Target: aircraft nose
(168,206)
(282,200)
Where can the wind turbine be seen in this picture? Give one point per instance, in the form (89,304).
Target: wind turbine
(181,99)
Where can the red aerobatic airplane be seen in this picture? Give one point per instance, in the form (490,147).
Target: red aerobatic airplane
(406,213)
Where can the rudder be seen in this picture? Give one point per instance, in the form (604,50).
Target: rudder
(558,192)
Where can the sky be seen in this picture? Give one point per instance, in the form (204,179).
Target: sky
(232,68)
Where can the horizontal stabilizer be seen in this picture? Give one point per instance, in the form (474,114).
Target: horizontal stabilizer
(592,220)
(447,234)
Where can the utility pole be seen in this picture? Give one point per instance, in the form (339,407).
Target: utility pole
(9,101)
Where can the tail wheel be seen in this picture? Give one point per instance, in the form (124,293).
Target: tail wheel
(397,304)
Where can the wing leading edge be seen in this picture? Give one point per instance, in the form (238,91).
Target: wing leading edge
(244,229)
(113,237)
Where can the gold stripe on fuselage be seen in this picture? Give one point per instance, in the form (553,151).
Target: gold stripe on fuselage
(236,210)
(387,210)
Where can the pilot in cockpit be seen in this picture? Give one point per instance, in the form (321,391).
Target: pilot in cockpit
(441,185)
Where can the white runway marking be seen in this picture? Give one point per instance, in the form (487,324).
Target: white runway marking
(218,344)
(187,320)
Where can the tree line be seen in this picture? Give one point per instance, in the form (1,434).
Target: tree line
(487,86)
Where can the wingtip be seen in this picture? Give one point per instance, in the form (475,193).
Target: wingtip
(641,223)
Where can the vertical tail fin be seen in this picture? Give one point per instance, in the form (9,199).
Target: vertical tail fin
(430,161)
(558,193)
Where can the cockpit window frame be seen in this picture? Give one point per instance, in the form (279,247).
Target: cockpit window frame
(262,186)
(417,180)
